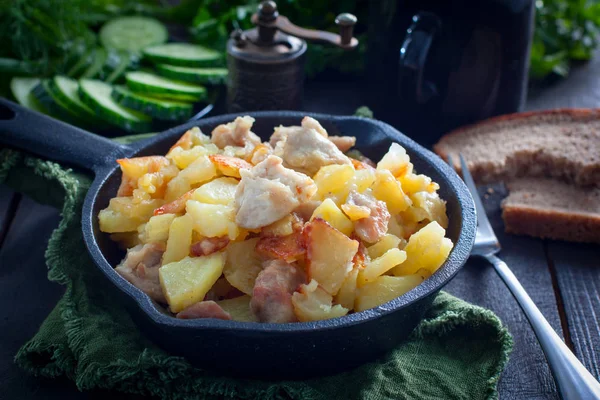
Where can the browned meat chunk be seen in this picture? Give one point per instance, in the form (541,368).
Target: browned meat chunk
(272,294)
(208,246)
(204,309)
(140,267)
(236,133)
(373,227)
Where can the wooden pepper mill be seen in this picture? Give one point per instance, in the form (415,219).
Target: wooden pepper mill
(266,63)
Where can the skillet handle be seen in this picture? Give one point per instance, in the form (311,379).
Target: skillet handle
(28,130)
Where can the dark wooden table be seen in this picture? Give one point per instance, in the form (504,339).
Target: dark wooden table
(562,278)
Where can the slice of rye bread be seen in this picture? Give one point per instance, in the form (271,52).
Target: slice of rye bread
(549,208)
(562,143)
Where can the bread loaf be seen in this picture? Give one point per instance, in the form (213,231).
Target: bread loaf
(550,162)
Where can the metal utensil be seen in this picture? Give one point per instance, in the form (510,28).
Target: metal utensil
(573,380)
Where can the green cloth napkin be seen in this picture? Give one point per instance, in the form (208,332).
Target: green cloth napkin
(457,352)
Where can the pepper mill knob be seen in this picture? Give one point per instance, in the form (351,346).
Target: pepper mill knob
(267,11)
(346,22)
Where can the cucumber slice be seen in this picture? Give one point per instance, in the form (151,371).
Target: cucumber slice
(165,110)
(96,95)
(183,54)
(66,90)
(132,33)
(44,94)
(157,86)
(21,89)
(94,69)
(208,76)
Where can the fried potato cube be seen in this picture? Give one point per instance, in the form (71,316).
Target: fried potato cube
(384,289)
(329,254)
(413,183)
(135,167)
(212,220)
(229,166)
(242,265)
(218,191)
(432,206)
(313,303)
(396,161)
(288,248)
(179,240)
(363,179)
(330,212)
(347,294)
(238,308)
(386,243)
(388,189)
(200,171)
(282,227)
(157,228)
(379,266)
(187,281)
(176,206)
(331,179)
(125,215)
(355,212)
(177,188)
(184,158)
(427,249)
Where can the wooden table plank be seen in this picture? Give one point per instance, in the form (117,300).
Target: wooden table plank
(527,374)
(577,268)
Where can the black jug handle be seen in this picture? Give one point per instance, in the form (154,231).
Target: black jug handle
(412,85)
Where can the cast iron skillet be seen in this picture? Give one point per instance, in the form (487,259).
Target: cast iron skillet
(291,351)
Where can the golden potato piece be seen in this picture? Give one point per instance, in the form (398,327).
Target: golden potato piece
(288,248)
(125,215)
(330,212)
(428,249)
(229,166)
(396,161)
(355,212)
(331,179)
(347,293)
(379,266)
(180,239)
(238,308)
(157,228)
(213,220)
(242,265)
(313,303)
(385,243)
(282,227)
(200,171)
(187,281)
(388,189)
(329,254)
(384,289)
(218,191)
(134,168)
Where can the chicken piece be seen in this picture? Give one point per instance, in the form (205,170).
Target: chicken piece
(204,309)
(311,123)
(269,192)
(140,267)
(236,133)
(373,227)
(343,143)
(304,149)
(272,294)
(209,245)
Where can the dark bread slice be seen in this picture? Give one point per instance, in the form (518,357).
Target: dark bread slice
(548,208)
(563,144)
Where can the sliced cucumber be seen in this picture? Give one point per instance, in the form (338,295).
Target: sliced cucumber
(66,90)
(21,89)
(183,54)
(165,110)
(96,95)
(132,33)
(157,86)
(94,69)
(46,96)
(208,76)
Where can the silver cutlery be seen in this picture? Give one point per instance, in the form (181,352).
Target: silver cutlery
(573,380)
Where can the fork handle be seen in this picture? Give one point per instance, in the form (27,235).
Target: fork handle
(574,381)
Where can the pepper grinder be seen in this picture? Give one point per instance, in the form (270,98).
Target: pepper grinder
(266,63)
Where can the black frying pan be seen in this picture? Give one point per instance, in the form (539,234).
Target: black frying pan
(294,350)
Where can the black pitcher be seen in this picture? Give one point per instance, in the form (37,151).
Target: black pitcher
(433,65)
